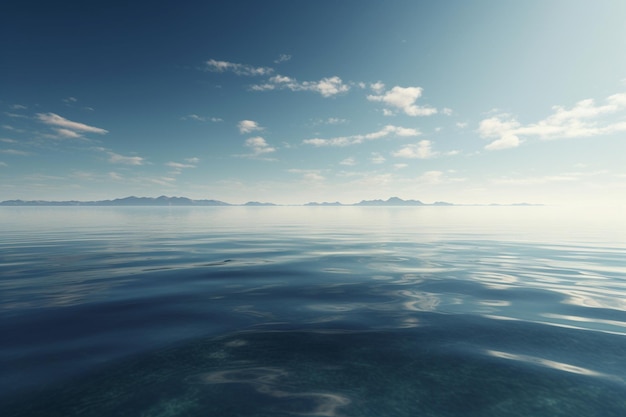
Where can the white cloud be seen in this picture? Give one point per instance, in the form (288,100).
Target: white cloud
(282,58)
(377,158)
(357,139)
(505,142)
(334,121)
(420,150)
(309,175)
(115,176)
(377,87)
(13,152)
(247,126)
(327,87)
(404,98)
(431,177)
(348,162)
(115,158)
(535,180)
(400,166)
(201,118)
(56,120)
(18,107)
(239,69)
(447,111)
(66,133)
(3,164)
(585,119)
(259,146)
(193,160)
(179,165)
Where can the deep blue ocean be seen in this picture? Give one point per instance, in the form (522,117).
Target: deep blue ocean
(312,311)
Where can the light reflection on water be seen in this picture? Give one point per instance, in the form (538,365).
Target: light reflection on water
(84,288)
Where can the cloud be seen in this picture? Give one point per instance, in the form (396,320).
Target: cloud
(66,133)
(535,180)
(193,160)
(377,87)
(309,175)
(3,164)
(505,142)
(404,98)
(115,158)
(178,165)
(14,152)
(18,107)
(115,176)
(52,119)
(282,58)
(239,69)
(584,119)
(201,118)
(327,87)
(348,162)
(259,146)
(357,139)
(377,158)
(431,177)
(329,121)
(247,126)
(420,150)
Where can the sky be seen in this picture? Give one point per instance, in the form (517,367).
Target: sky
(470,102)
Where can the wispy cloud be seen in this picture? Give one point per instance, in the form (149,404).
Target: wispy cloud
(18,107)
(115,158)
(309,175)
(67,133)
(421,150)
(239,69)
(282,58)
(357,139)
(377,158)
(259,146)
(348,162)
(327,87)
(3,164)
(14,152)
(247,126)
(584,119)
(403,98)
(201,118)
(178,165)
(378,87)
(67,128)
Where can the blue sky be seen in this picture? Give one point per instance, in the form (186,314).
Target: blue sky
(294,101)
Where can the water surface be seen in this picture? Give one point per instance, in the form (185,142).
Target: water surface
(323,311)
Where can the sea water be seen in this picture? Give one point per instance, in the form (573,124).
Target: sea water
(316,311)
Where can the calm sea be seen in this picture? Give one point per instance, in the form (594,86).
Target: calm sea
(316,311)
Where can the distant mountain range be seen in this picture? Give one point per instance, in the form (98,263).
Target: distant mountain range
(184,201)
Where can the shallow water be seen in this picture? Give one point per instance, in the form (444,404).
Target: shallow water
(322,311)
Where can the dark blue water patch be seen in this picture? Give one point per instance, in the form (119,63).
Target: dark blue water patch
(451,366)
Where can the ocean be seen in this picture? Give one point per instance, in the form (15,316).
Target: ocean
(312,311)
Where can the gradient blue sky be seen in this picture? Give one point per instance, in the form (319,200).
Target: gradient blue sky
(297,101)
